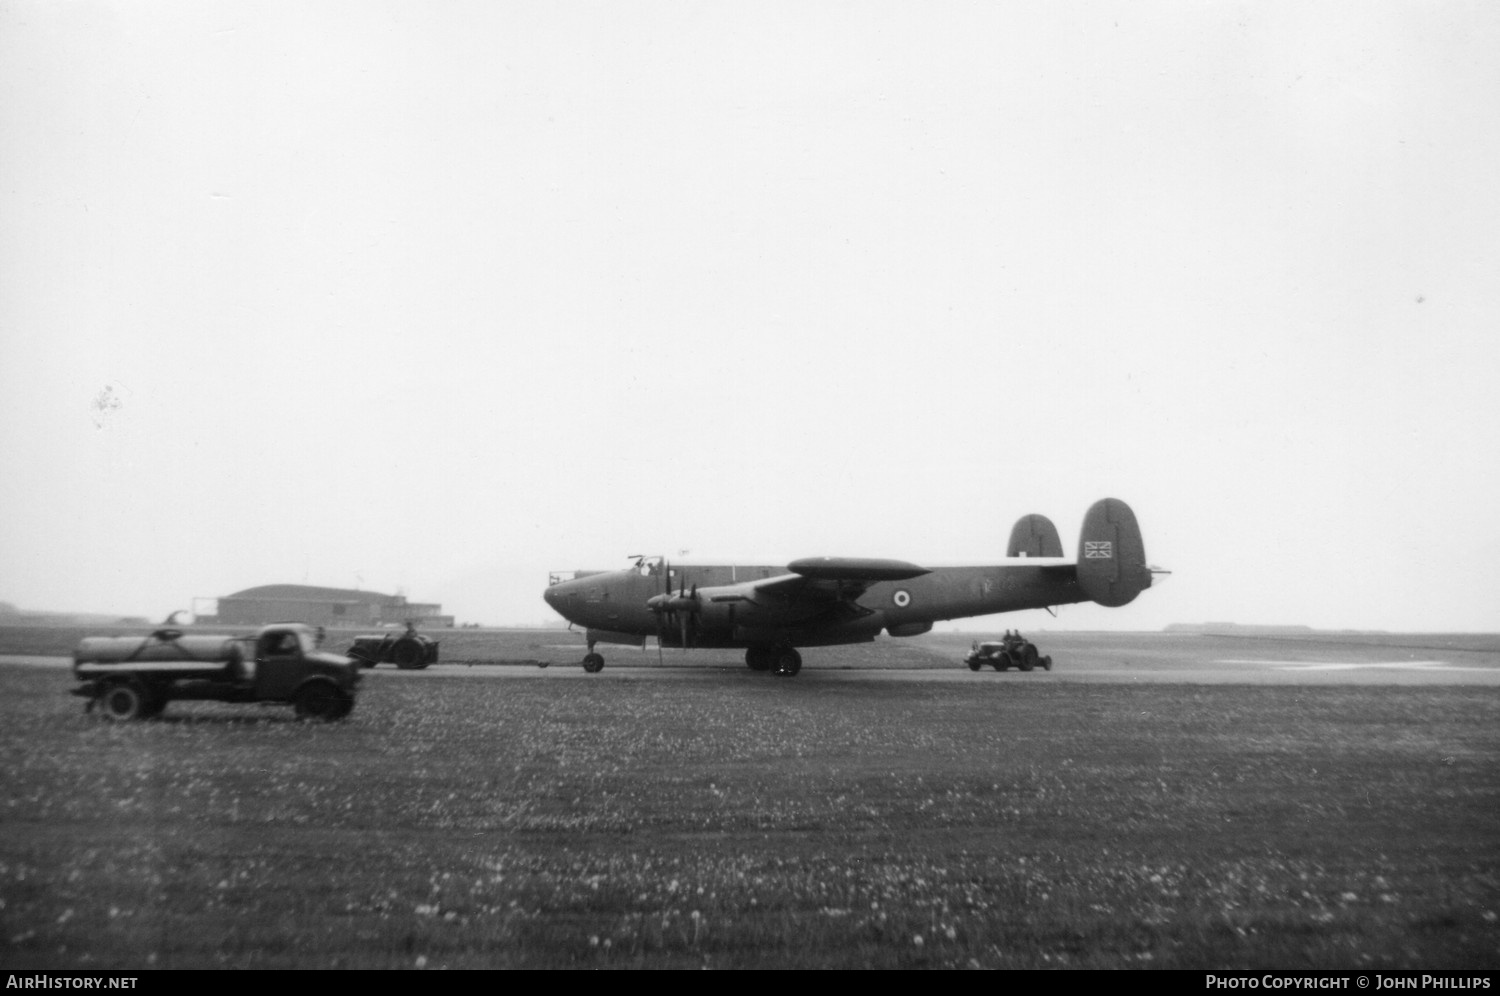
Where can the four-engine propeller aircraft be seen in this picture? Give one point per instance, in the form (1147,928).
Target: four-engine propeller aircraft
(825,601)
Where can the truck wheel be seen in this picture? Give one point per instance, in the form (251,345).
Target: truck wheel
(974,665)
(321,700)
(123,700)
(1028,658)
(408,655)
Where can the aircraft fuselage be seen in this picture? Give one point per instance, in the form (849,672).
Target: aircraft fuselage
(823,601)
(614,604)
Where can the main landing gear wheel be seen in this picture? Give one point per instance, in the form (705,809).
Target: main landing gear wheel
(788,661)
(593,663)
(760,658)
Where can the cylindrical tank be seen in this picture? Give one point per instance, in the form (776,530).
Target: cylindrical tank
(163,645)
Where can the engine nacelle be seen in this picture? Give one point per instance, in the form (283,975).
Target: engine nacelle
(909,629)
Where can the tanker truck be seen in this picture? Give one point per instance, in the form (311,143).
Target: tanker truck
(134,677)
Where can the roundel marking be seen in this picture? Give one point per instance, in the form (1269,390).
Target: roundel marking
(902,598)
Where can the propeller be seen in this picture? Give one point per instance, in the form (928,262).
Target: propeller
(666,587)
(679,611)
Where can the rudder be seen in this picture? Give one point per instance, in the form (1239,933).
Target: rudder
(1111,554)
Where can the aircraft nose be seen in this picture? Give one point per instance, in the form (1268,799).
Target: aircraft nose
(560,592)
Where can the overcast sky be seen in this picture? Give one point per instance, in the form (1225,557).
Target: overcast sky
(434,297)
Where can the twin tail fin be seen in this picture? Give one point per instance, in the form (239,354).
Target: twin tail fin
(1112,566)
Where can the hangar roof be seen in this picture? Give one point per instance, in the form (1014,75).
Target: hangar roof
(312,593)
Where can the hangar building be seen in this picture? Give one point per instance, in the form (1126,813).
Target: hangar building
(336,607)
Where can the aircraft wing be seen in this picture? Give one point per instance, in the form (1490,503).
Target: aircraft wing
(866,569)
(829,579)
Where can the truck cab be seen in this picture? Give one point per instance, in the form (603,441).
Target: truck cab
(287,657)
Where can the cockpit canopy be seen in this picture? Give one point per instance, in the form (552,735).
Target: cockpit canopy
(649,567)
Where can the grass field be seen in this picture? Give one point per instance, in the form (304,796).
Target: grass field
(726,819)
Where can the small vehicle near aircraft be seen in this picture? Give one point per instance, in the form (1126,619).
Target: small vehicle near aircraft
(769,611)
(134,677)
(409,651)
(1014,651)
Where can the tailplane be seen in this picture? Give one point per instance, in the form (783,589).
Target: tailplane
(1111,554)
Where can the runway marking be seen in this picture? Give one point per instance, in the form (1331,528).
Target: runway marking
(1326,666)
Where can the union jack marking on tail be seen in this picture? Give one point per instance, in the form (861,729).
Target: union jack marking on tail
(1102,550)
